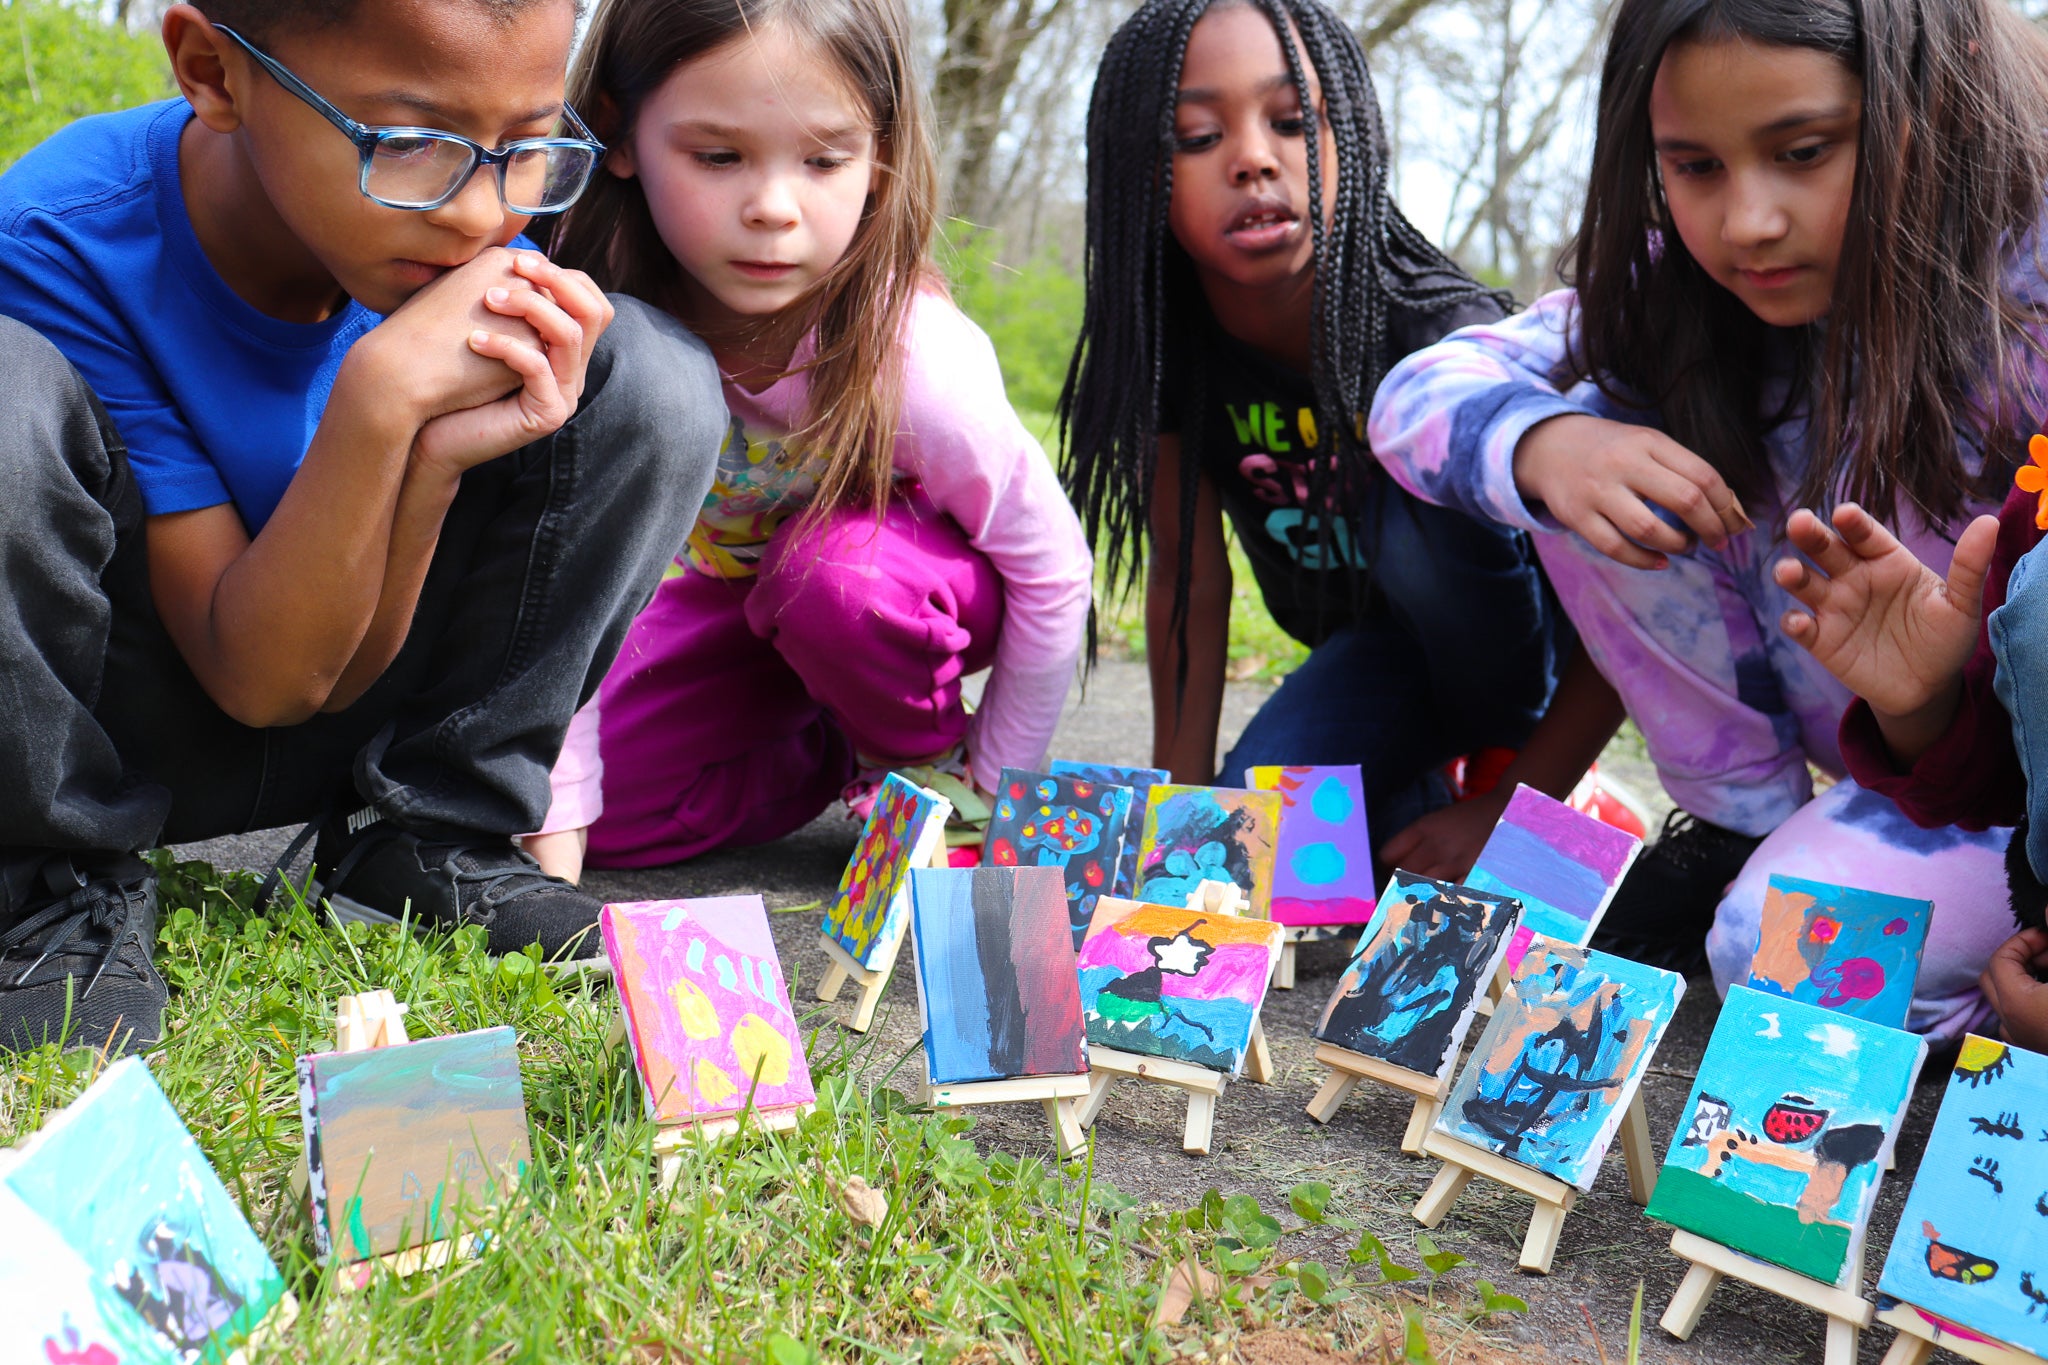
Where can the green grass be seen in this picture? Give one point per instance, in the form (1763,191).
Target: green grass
(751,1255)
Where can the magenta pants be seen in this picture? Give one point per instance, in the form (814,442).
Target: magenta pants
(736,707)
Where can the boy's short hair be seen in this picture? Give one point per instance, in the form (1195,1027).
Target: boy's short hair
(258,19)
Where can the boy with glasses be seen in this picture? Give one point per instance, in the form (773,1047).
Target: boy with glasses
(373,495)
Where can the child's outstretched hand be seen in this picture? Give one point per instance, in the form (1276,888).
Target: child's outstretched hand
(1445,843)
(1890,628)
(2013,989)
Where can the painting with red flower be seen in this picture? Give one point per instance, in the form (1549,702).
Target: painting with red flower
(1073,823)
(1854,952)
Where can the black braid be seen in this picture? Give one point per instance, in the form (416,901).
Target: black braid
(1139,284)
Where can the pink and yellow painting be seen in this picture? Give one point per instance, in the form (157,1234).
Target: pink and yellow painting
(707,1007)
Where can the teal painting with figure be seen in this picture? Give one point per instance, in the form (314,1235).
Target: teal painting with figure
(1778,1147)
(1208,834)
(1323,871)
(1972,1244)
(1851,951)
(177,1273)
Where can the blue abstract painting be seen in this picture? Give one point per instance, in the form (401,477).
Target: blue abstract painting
(1208,834)
(1778,1147)
(1140,781)
(1556,1067)
(996,983)
(1854,952)
(174,1263)
(1972,1245)
(50,1303)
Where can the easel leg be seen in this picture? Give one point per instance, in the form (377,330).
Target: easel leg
(1337,1088)
(1690,1301)
(1841,1342)
(1098,1092)
(1194,1139)
(830,982)
(1451,1180)
(864,1012)
(1283,970)
(1066,1129)
(1636,1151)
(1908,1349)
(1419,1119)
(1258,1058)
(1540,1246)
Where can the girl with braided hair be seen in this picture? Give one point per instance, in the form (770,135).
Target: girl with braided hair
(1249,279)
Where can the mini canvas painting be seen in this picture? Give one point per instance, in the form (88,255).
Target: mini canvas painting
(1855,952)
(1972,1245)
(1166,981)
(1323,874)
(1141,781)
(51,1306)
(1558,1064)
(707,1007)
(1072,823)
(407,1145)
(868,915)
(995,974)
(176,1271)
(1777,1148)
(1208,834)
(1407,997)
(1561,864)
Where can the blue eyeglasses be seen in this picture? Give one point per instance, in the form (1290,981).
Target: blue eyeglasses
(423,168)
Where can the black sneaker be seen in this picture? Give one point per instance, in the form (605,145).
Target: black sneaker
(74,955)
(1665,905)
(373,874)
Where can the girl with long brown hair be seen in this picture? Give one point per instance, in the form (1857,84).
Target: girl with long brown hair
(1808,271)
(881,524)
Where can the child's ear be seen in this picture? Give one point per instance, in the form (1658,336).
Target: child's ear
(195,50)
(619,161)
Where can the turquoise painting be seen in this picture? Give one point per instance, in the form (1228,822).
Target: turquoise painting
(50,1309)
(1208,834)
(175,1267)
(1778,1147)
(1854,952)
(1972,1245)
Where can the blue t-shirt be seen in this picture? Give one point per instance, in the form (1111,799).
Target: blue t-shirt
(216,401)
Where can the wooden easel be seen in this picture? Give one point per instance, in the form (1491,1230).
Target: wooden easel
(1554,1198)
(370,1020)
(1920,1332)
(1058,1094)
(670,1139)
(1204,1087)
(1848,1312)
(1348,1068)
(1283,970)
(841,966)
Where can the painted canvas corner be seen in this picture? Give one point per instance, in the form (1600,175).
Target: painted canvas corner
(1972,1243)
(1168,981)
(998,995)
(1197,834)
(707,1007)
(1779,1146)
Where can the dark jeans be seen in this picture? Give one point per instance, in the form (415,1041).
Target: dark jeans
(546,555)
(1463,654)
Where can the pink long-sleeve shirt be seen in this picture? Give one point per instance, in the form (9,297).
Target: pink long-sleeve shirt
(959,438)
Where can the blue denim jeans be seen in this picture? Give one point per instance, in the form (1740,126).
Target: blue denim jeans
(1463,654)
(544,558)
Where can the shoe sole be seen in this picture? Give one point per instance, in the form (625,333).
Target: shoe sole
(345,911)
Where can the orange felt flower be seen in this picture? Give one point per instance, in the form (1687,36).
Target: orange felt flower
(2033,478)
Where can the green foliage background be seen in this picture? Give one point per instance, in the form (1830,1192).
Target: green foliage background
(59,62)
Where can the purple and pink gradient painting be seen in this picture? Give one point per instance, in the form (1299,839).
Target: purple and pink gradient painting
(1324,871)
(1562,865)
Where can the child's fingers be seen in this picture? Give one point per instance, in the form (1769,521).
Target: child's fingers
(564,337)
(575,291)
(1972,563)
(1638,520)
(1604,536)
(1800,628)
(1715,513)
(542,395)
(1862,532)
(1810,588)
